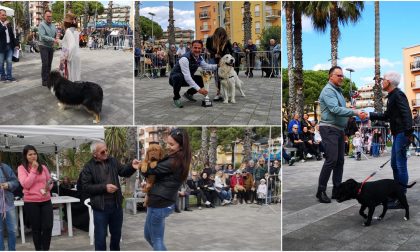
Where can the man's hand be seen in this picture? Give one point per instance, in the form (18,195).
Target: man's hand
(203,91)
(362,115)
(111,188)
(4,186)
(136,164)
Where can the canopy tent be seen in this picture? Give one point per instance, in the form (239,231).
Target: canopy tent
(10,13)
(48,139)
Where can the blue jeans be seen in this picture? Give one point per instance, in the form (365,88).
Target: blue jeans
(7,55)
(225,195)
(399,159)
(11,230)
(417,140)
(112,216)
(154,228)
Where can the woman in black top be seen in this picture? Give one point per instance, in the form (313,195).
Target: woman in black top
(170,173)
(218,45)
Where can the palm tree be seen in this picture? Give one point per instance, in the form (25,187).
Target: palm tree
(213,147)
(171,25)
(324,13)
(377,90)
(247,153)
(288,5)
(297,44)
(204,145)
(109,16)
(137,24)
(116,141)
(247,22)
(131,142)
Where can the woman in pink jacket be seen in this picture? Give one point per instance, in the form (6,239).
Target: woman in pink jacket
(36,182)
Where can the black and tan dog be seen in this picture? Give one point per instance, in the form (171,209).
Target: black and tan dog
(89,95)
(372,194)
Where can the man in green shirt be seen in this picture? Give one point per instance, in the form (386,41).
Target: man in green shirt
(47,39)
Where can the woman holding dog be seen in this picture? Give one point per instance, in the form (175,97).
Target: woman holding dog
(70,58)
(170,173)
(218,45)
(36,182)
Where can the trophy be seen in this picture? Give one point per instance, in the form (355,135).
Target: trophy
(207,102)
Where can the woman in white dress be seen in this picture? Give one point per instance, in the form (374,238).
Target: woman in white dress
(70,57)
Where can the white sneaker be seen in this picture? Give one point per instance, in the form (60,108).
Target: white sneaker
(207,203)
(199,208)
(309,155)
(303,160)
(223,203)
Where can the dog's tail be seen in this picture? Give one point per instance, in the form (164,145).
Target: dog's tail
(408,186)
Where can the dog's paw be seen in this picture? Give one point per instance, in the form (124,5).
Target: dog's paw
(379,218)
(405,218)
(233,101)
(366,224)
(95,122)
(225,101)
(60,106)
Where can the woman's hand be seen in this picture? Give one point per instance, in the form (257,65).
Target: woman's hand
(136,164)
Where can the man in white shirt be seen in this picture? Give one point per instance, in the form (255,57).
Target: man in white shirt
(181,50)
(182,75)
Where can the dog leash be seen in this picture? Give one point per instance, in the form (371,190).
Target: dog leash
(370,176)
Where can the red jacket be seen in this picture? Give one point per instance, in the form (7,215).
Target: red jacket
(235,180)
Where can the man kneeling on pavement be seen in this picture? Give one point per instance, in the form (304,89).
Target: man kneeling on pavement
(182,75)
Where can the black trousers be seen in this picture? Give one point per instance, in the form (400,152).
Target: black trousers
(176,80)
(40,215)
(47,54)
(333,141)
(200,196)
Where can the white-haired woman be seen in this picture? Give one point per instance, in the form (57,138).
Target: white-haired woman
(398,114)
(70,58)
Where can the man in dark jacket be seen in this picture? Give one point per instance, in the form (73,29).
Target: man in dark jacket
(398,114)
(250,50)
(7,44)
(99,179)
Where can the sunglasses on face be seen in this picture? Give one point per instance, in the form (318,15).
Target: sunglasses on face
(339,75)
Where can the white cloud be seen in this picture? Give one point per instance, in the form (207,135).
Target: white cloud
(183,18)
(307,24)
(357,63)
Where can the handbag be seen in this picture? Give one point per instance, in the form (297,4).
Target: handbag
(15,57)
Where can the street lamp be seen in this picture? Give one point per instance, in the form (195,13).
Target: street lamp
(152,14)
(351,70)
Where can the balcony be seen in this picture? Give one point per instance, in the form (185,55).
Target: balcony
(272,14)
(415,66)
(204,15)
(415,85)
(256,14)
(415,103)
(226,20)
(205,28)
(226,6)
(271,2)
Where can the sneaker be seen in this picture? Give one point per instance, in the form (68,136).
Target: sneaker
(11,80)
(309,155)
(178,103)
(207,203)
(199,208)
(292,161)
(303,160)
(189,97)
(218,98)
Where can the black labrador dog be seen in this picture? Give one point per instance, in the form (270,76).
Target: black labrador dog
(373,194)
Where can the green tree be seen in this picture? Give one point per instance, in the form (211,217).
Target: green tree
(146,28)
(78,9)
(314,83)
(272,32)
(324,13)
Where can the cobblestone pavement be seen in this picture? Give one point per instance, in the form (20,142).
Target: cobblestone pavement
(27,102)
(233,227)
(261,106)
(310,225)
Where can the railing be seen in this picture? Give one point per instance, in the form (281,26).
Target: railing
(416,139)
(415,102)
(272,13)
(415,84)
(374,141)
(150,64)
(119,42)
(415,66)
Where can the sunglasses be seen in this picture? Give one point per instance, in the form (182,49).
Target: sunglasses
(339,75)
(176,132)
(103,152)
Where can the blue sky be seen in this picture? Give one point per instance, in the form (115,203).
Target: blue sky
(183,13)
(398,30)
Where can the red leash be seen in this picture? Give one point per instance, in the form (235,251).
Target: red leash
(370,176)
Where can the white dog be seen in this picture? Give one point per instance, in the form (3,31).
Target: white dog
(229,80)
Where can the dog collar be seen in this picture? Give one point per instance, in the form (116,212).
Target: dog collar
(227,78)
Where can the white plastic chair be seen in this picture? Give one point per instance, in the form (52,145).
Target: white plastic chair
(91,225)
